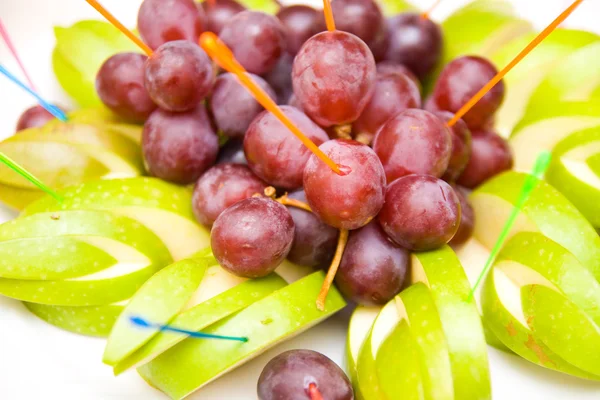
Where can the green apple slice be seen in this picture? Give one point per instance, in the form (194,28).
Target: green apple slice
(546,211)
(360,324)
(194,363)
(460,320)
(90,321)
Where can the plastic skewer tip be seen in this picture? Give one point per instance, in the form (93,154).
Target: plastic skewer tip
(532,45)
(427,13)
(57,112)
(29,176)
(314,393)
(13,50)
(329,21)
(110,18)
(223,56)
(539,169)
(142,322)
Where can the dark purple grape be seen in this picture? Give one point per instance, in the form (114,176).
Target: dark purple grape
(414,41)
(120,86)
(280,78)
(490,155)
(274,153)
(373,269)
(314,241)
(394,92)
(334,77)
(179,147)
(467,218)
(34,117)
(349,200)
(179,75)
(162,21)
(256,39)
(413,142)
(461,146)
(299,22)
(222,186)
(217,13)
(233,107)
(293,374)
(232,152)
(385,67)
(420,212)
(460,80)
(252,237)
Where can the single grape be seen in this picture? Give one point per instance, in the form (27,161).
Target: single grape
(179,147)
(257,40)
(460,80)
(373,269)
(252,237)
(394,92)
(274,153)
(34,117)
(349,200)
(222,186)
(420,212)
(461,146)
(280,78)
(162,21)
(179,75)
(380,45)
(314,241)
(334,77)
(120,86)
(385,67)
(294,102)
(299,22)
(232,152)
(467,218)
(414,41)
(292,375)
(219,12)
(429,105)
(490,155)
(413,142)
(233,107)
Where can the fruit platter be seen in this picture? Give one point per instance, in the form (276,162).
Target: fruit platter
(325,200)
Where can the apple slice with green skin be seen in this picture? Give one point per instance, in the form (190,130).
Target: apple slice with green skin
(537,300)
(360,324)
(194,363)
(572,173)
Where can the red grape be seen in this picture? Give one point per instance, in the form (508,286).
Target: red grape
(34,117)
(179,75)
(460,80)
(349,200)
(334,77)
(233,107)
(420,212)
(219,12)
(120,86)
(414,41)
(413,142)
(373,269)
(289,376)
(252,237)
(467,218)
(280,78)
(256,39)
(232,152)
(300,24)
(394,92)
(162,21)
(385,67)
(490,155)
(274,153)
(314,241)
(461,146)
(179,147)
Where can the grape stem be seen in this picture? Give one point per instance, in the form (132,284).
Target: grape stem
(314,393)
(285,200)
(335,263)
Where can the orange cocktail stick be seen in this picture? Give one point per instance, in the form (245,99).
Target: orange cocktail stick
(328,16)
(427,13)
(538,39)
(110,18)
(314,392)
(223,56)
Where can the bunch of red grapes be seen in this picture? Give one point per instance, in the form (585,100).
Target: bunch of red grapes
(356,93)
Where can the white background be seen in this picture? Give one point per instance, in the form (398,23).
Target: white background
(38,361)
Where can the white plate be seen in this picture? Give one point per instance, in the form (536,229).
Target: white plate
(38,361)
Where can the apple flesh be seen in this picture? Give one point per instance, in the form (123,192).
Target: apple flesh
(360,325)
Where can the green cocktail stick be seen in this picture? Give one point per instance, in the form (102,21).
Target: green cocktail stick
(539,169)
(27,175)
